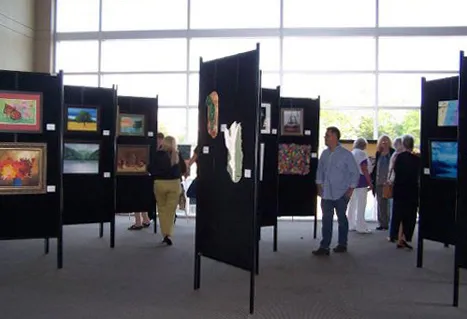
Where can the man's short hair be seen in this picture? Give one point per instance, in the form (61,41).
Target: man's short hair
(160,135)
(334,130)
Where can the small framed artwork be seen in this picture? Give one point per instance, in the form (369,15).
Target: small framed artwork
(132,159)
(82,119)
(81,158)
(23,168)
(20,112)
(448,113)
(265,118)
(292,122)
(131,124)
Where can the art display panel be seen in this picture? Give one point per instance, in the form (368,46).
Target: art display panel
(265,118)
(294,159)
(20,112)
(131,124)
(132,159)
(448,113)
(443,159)
(23,168)
(82,119)
(81,158)
(292,122)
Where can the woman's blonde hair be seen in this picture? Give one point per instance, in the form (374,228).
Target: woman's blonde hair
(170,146)
(380,140)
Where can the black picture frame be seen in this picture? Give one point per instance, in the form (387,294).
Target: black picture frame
(119,121)
(147,158)
(96,142)
(98,118)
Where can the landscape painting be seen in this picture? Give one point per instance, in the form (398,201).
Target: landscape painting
(20,112)
(82,119)
(22,168)
(81,158)
(132,159)
(131,124)
(444,159)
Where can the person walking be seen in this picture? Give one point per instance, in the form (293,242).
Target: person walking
(336,179)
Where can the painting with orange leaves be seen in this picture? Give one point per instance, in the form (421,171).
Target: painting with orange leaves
(22,168)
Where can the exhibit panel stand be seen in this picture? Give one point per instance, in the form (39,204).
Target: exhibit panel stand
(31,134)
(298,157)
(136,146)
(89,182)
(227,189)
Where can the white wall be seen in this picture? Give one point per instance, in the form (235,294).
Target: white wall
(17,34)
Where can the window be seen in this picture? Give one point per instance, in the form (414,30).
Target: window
(355,90)
(329,13)
(212,14)
(80,80)
(422,13)
(171,88)
(396,123)
(335,53)
(77,16)
(123,15)
(172,121)
(407,86)
(193,89)
(421,53)
(144,55)
(352,123)
(193,126)
(270,80)
(77,56)
(209,49)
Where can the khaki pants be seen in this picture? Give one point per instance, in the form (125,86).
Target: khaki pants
(167,194)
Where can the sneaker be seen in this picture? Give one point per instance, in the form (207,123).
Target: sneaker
(340,249)
(321,252)
(365,231)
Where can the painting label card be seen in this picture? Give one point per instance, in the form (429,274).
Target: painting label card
(292,122)
(205,149)
(106,174)
(131,124)
(20,112)
(23,168)
(248,173)
(82,119)
(132,159)
(81,158)
(106,132)
(265,118)
(151,134)
(223,127)
(51,188)
(50,127)
(314,155)
(307,132)
(274,131)
(426,171)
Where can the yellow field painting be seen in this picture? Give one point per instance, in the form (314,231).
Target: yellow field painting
(74,126)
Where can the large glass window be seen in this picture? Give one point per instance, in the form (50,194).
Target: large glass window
(421,53)
(352,123)
(215,14)
(270,80)
(193,126)
(334,53)
(118,15)
(213,48)
(77,16)
(335,90)
(80,80)
(329,13)
(172,121)
(144,55)
(422,13)
(77,56)
(171,88)
(193,89)
(396,123)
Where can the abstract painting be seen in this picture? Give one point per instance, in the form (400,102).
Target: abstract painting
(294,159)
(265,118)
(233,143)
(132,159)
(444,159)
(20,112)
(292,122)
(212,104)
(447,113)
(82,119)
(23,168)
(131,124)
(81,158)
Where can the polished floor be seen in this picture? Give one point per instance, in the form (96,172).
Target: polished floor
(142,279)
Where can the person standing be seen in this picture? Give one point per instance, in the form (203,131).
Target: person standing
(336,179)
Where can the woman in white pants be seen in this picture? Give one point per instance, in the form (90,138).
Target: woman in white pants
(357,204)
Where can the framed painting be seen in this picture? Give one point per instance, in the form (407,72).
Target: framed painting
(81,158)
(131,124)
(292,122)
(265,118)
(82,119)
(132,159)
(23,168)
(20,112)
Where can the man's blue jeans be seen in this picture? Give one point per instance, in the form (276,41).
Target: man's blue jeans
(328,206)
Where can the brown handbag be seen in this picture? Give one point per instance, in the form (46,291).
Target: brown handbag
(387,188)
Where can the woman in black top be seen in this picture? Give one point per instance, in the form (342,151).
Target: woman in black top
(405,191)
(166,170)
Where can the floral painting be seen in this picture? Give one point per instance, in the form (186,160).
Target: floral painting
(20,112)
(294,159)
